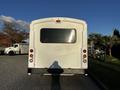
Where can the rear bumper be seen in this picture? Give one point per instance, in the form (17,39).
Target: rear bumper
(55,71)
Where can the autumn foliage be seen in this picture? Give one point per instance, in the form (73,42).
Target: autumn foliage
(10,35)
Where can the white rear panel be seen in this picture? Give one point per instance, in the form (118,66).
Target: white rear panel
(66,55)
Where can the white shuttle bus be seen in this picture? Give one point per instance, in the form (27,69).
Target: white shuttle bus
(59,45)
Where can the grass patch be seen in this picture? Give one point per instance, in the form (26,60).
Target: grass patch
(112,60)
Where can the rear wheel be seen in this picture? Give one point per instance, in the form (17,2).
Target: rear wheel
(29,71)
(11,53)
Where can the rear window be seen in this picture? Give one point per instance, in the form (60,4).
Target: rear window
(51,35)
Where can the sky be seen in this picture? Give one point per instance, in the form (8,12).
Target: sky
(102,16)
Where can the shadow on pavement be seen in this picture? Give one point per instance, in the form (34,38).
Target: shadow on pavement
(55,82)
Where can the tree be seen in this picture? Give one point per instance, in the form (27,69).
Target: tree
(4,40)
(16,36)
(96,39)
(114,39)
(102,42)
(116,33)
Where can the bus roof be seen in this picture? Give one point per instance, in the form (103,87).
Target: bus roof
(58,18)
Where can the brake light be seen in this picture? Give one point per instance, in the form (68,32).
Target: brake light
(31,50)
(84,56)
(84,60)
(31,60)
(84,51)
(31,55)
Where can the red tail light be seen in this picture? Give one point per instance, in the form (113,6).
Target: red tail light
(31,50)
(31,60)
(84,60)
(84,51)
(31,55)
(84,56)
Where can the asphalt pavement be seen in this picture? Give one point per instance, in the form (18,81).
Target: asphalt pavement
(13,76)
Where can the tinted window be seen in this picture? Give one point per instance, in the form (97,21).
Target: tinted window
(49,35)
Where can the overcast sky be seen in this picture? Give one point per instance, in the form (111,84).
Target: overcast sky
(102,16)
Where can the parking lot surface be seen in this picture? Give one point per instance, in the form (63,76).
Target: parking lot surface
(13,76)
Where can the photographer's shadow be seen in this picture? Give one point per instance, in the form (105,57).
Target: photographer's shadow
(55,83)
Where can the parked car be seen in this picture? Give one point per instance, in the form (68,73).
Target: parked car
(1,50)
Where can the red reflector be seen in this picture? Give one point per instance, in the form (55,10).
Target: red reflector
(31,60)
(84,60)
(84,56)
(58,21)
(31,50)
(31,55)
(84,51)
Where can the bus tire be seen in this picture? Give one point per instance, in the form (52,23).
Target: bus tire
(29,71)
